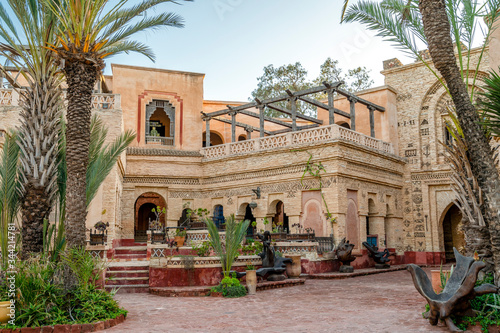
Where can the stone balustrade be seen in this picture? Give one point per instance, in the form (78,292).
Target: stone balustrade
(196,237)
(292,139)
(308,250)
(10,97)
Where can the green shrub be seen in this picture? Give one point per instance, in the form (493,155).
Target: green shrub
(487,307)
(41,297)
(230,286)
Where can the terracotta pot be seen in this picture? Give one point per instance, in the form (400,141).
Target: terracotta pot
(4,310)
(436,279)
(179,240)
(251,279)
(294,269)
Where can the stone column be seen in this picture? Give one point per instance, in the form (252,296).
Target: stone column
(207,132)
(377,227)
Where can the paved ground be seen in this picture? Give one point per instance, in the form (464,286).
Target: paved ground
(377,303)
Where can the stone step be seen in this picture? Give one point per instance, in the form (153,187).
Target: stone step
(119,252)
(130,256)
(127,273)
(128,281)
(133,248)
(128,265)
(129,289)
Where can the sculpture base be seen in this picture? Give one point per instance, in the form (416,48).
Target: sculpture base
(346,269)
(276,277)
(382,266)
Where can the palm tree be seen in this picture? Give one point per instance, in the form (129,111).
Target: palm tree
(88,34)
(228,251)
(437,30)
(41,106)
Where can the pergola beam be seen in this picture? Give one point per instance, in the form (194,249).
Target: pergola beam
(238,124)
(323,106)
(360,100)
(299,128)
(300,116)
(281,98)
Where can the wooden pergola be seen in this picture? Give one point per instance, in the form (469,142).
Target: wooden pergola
(292,97)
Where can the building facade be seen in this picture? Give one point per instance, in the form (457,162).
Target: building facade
(389,183)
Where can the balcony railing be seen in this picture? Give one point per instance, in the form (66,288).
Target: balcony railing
(160,140)
(315,135)
(9,97)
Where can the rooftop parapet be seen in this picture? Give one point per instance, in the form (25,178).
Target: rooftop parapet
(292,139)
(10,97)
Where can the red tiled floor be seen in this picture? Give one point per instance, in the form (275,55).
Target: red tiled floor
(379,303)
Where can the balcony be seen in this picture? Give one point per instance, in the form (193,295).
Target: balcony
(160,140)
(293,139)
(10,97)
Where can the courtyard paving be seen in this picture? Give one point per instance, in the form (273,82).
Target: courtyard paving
(377,303)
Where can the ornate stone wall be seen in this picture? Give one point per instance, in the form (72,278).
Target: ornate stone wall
(423,104)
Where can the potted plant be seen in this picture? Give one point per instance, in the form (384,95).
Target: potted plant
(4,311)
(251,278)
(180,236)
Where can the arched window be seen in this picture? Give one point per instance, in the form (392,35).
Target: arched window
(242,138)
(218,217)
(160,123)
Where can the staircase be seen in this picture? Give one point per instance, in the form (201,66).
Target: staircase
(128,270)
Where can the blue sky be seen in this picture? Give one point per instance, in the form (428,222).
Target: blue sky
(232,40)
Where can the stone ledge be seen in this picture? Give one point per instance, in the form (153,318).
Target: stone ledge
(76,328)
(197,291)
(357,272)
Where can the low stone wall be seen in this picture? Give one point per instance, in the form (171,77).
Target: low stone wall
(192,271)
(76,328)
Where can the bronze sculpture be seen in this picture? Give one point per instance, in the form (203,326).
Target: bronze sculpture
(456,296)
(381,258)
(344,255)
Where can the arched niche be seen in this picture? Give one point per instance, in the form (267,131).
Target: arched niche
(215,139)
(161,115)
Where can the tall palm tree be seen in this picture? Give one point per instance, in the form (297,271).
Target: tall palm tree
(41,106)
(88,33)
(437,30)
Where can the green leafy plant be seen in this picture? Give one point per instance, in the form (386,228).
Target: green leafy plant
(228,252)
(250,267)
(203,249)
(181,232)
(487,309)
(231,287)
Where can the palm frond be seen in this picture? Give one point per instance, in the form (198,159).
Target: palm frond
(104,159)
(127,47)
(490,103)
(235,232)
(10,188)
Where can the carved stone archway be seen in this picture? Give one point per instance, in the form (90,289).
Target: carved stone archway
(169,110)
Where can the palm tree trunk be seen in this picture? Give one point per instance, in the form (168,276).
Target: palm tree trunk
(40,123)
(437,31)
(81,78)
(35,207)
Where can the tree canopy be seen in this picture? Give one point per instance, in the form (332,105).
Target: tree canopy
(275,80)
